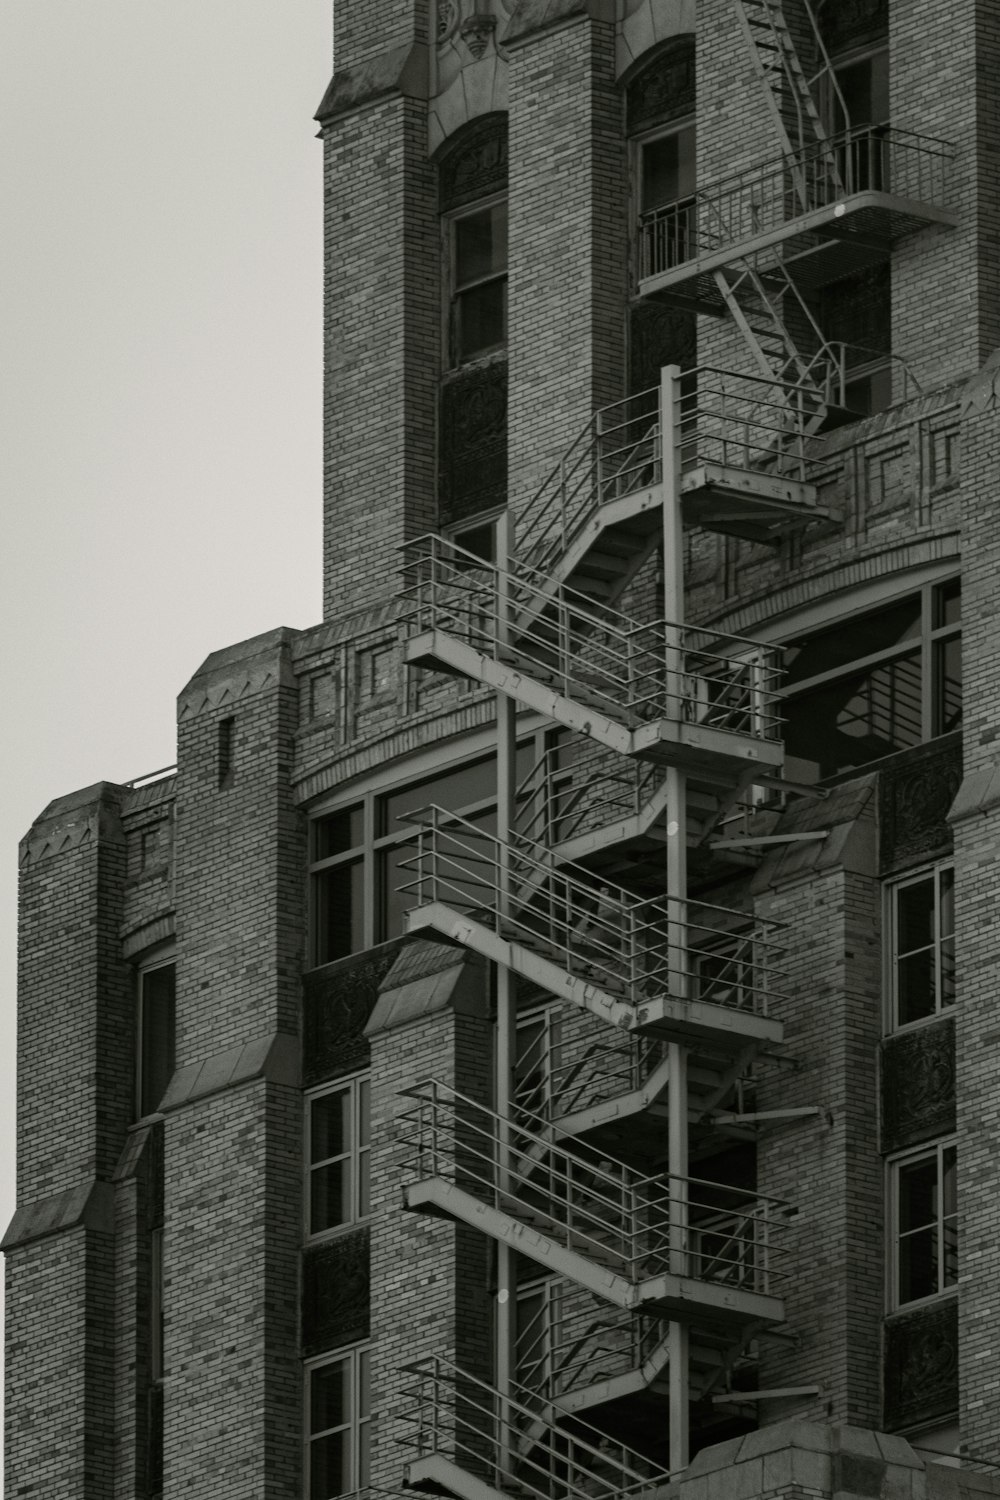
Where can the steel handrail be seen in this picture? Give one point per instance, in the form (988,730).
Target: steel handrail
(571,1331)
(630,672)
(606,1069)
(588,1202)
(825,185)
(451,1411)
(556,801)
(636,945)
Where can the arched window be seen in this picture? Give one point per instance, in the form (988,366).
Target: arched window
(660,122)
(472,419)
(855,311)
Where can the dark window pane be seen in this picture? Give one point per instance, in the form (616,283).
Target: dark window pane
(918,1265)
(918,1194)
(949,1202)
(668,169)
(947,962)
(339,911)
(915,915)
(855,720)
(329,1467)
(950,1250)
(339,832)
(394,899)
(480,245)
(948,603)
(915,987)
(480,540)
(328,1392)
(946,897)
(826,650)
(453,790)
(364,1112)
(330,1125)
(364,1385)
(364,1185)
(870,392)
(948,685)
(481,314)
(864,87)
(156,1024)
(329,1204)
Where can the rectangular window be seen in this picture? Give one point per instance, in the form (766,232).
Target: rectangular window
(921,946)
(338,1415)
(337,1151)
(478,282)
(155,1041)
(874,684)
(359,885)
(924,1218)
(666,196)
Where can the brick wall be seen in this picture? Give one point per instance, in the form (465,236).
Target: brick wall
(75,1039)
(567,244)
(977,877)
(233,1130)
(383,315)
(828,1166)
(429,1291)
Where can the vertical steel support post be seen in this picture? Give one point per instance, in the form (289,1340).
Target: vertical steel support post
(676,876)
(506,1023)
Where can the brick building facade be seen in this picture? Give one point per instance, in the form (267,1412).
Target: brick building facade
(538,1043)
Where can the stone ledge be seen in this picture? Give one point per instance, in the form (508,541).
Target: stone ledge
(428,977)
(91,1204)
(399,70)
(978,794)
(274,1057)
(532,17)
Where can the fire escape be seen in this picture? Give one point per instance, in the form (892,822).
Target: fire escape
(643,1277)
(755,244)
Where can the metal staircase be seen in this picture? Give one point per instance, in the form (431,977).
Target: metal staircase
(580,895)
(750,244)
(660,691)
(657,1243)
(662,966)
(791,95)
(465,1436)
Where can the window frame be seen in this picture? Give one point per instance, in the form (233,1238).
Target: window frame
(150,965)
(452,292)
(850,57)
(358,1156)
(893,1025)
(375,845)
(927,641)
(639,215)
(357,1359)
(893,1167)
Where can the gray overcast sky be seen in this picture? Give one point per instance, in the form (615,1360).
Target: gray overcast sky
(160,328)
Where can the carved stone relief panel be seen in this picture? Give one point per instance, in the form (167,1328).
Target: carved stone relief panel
(889,482)
(468,32)
(915,793)
(920,1365)
(918,1086)
(336,1003)
(336,1296)
(659,336)
(846,24)
(664,90)
(474,165)
(472,462)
